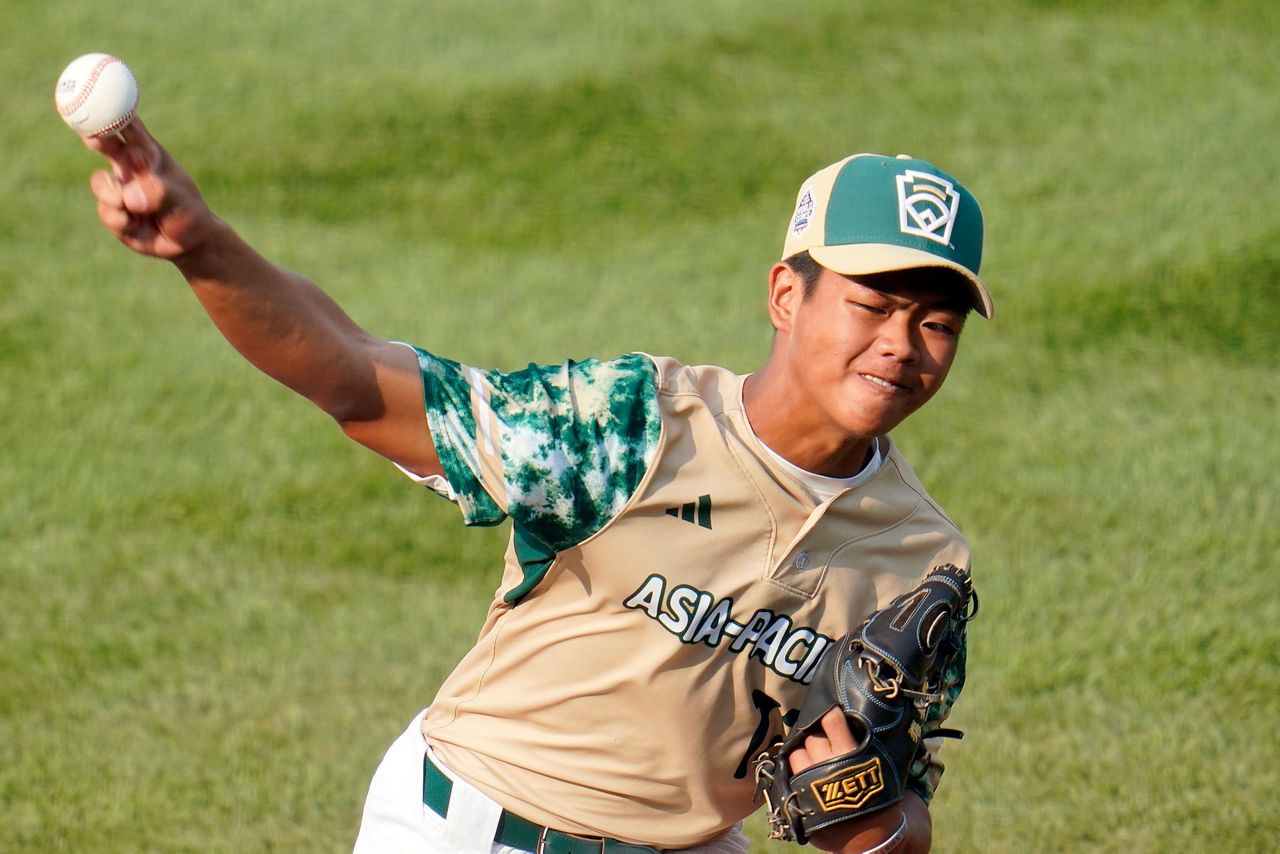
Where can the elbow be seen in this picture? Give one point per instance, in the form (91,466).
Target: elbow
(353,413)
(353,396)
(363,431)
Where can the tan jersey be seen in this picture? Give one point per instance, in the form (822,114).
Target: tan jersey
(621,683)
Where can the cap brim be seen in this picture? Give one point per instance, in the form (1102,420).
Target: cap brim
(865,259)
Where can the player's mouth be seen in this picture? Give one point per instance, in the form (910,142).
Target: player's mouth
(886,385)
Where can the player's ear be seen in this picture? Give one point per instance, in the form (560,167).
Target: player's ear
(786,289)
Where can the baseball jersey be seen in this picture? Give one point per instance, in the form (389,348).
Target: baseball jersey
(668,590)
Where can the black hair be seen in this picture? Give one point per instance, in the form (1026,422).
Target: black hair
(809,270)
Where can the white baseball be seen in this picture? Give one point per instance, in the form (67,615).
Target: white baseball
(96,95)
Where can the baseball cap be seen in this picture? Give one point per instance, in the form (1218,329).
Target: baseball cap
(872,214)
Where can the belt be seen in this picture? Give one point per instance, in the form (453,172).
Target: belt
(522,833)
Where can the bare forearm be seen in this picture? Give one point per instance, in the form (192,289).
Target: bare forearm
(284,325)
(281,322)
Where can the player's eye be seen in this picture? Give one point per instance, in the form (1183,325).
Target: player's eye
(943,328)
(871,309)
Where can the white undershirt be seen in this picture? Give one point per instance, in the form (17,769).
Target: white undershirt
(821,486)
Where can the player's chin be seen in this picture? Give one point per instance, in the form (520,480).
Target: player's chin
(875,415)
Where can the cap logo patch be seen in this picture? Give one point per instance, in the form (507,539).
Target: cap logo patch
(926,206)
(804,213)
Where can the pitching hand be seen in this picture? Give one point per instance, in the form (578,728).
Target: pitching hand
(146,200)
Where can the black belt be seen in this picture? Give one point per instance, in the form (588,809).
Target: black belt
(522,833)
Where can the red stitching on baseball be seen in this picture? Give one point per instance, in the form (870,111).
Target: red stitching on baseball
(88,86)
(117,124)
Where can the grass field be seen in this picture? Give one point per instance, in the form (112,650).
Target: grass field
(215,612)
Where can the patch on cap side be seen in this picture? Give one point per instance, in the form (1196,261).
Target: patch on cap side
(804,213)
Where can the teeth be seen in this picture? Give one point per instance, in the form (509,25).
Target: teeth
(885,383)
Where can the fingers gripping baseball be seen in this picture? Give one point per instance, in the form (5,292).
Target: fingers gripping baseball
(146,200)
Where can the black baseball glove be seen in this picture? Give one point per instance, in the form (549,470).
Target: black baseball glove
(884,676)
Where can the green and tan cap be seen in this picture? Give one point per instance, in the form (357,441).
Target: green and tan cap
(873,214)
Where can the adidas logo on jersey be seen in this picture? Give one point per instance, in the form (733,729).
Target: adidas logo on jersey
(699,513)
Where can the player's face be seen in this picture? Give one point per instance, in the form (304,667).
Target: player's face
(867,357)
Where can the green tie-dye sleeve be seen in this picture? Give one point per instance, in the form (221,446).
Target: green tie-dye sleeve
(927,770)
(559,448)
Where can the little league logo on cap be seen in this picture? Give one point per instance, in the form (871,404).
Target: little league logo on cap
(873,214)
(926,205)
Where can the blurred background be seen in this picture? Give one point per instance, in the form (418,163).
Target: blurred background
(215,612)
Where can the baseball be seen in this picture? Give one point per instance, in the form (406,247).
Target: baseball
(96,95)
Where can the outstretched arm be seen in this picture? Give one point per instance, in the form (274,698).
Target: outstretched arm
(277,319)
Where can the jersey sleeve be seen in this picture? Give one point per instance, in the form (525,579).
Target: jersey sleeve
(926,771)
(558,448)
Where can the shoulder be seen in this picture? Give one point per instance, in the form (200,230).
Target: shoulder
(582,384)
(718,387)
(905,479)
(577,440)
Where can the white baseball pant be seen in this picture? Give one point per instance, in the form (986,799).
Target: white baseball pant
(396,821)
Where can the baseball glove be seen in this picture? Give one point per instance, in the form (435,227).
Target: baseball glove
(884,676)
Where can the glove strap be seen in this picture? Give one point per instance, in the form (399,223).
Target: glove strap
(945,733)
(839,789)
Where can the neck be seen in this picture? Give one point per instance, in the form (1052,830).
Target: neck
(798,431)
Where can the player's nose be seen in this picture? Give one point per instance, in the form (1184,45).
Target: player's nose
(897,340)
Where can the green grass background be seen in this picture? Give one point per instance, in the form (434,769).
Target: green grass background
(215,612)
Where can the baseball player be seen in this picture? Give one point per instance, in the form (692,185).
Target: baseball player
(685,543)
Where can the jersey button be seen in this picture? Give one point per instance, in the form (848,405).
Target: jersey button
(802,561)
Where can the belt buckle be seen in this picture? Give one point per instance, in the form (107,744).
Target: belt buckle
(542,840)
